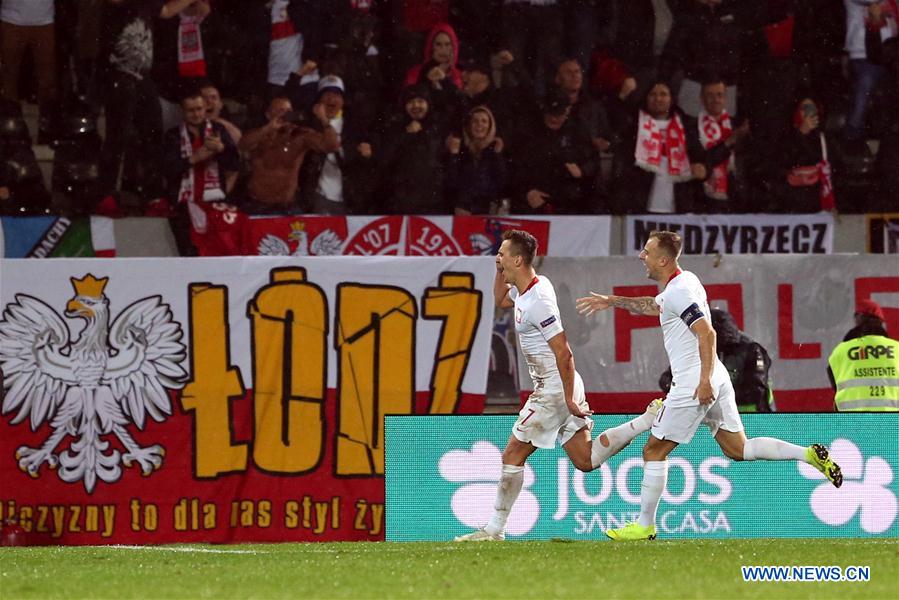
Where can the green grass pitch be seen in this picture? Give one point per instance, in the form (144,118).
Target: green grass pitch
(556,569)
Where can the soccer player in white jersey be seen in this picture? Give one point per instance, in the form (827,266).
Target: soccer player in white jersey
(701,391)
(557,410)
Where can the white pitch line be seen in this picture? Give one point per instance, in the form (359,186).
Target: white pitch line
(186,549)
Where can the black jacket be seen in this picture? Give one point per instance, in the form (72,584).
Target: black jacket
(539,163)
(473,184)
(410,170)
(357,173)
(704,41)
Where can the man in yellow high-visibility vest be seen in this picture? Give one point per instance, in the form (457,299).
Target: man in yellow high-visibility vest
(864,368)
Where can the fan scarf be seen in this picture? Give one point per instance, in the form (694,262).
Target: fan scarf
(202,176)
(713,131)
(821,174)
(650,146)
(191,60)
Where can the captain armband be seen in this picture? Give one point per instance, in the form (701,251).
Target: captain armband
(692,314)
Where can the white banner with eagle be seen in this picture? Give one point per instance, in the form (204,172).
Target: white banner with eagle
(97,356)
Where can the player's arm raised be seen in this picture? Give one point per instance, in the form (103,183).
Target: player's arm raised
(565,362)
(501,289)
(707,340)
(643,305)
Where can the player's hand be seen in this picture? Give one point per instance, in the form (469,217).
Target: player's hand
(574,170)
(413,127)
(575,410)
(592,303)
(704,392)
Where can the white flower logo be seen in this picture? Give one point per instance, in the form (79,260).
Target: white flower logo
(865,487)
(480,471)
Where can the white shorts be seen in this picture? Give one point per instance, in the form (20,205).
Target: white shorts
(679,423)
(546,419)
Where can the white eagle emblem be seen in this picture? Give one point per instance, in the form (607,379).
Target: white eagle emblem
(326,243)
(91,386)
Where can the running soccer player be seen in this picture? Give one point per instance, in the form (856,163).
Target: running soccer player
(701,391)
(557,410)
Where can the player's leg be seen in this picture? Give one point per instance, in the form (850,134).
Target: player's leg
(674,425)
(655,476)
(587,455)
(724,421)
(507,490)
(615,439)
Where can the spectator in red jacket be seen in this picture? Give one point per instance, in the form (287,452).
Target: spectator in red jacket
(441,54)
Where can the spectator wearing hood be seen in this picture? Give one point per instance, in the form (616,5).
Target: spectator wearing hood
(439,65)
(747,363)
(410,163)
(407,27)
(554,162)
(476,166)
(807,184)
(653,161)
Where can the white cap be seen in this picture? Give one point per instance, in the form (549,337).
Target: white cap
(330,83)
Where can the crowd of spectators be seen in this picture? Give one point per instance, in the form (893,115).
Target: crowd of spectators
(462,106)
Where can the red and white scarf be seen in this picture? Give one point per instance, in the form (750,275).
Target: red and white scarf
(825,176)
(712,131)
(651,146)
(889,21)
(285,44)
(203,176)
(191,60)
(821,174)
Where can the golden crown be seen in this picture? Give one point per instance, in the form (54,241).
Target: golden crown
(89,286)
(297,226)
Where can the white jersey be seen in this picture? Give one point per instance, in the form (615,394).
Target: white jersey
(537,320)
(682,303)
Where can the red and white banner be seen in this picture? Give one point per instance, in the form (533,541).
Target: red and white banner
(797,307)
(236,399)
(738,234)
(315,235)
